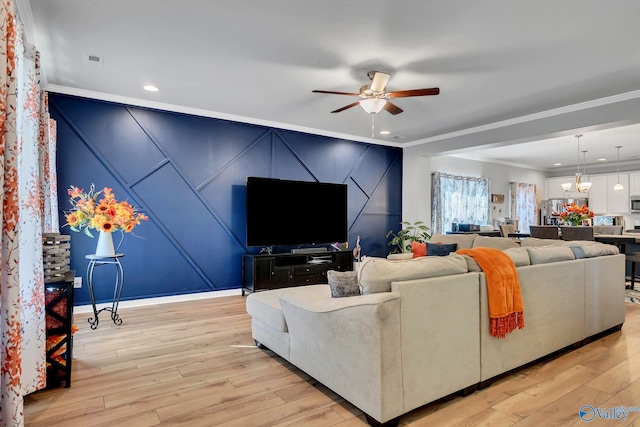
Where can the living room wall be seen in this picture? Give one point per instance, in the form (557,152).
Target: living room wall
(417,169)
(188,173)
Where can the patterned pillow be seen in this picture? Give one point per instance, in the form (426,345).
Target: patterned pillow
(343,283)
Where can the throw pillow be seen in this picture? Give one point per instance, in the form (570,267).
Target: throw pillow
(418,249)
(343,283)
(437,249)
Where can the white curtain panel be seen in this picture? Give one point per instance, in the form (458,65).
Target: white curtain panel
(458,199)
(524,205)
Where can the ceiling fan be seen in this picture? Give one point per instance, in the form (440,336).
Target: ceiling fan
(375,98)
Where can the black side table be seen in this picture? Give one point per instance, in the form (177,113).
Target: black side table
(59,333)
(98,260)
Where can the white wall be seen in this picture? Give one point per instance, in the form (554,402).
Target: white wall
(416,181)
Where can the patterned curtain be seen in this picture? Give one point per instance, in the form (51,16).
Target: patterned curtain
(458,199)
(524,206)
(47,161)
(22,159)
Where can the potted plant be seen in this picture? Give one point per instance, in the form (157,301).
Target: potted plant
(410,232)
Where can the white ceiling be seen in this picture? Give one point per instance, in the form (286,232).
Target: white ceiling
(509,72)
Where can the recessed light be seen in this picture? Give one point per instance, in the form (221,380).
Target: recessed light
(384,132)
(150,88)
(557,164)
(601,160)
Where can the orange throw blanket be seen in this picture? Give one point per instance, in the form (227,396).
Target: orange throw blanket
(506,310)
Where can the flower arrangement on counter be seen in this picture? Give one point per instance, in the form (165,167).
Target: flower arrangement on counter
(575,214)
(106,214)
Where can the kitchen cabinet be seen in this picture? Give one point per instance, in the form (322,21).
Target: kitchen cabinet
(603,199)
(618,200)
(634,184)
(598,195)
(554,189)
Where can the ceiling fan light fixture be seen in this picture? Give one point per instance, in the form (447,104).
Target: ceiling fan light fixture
(373,105)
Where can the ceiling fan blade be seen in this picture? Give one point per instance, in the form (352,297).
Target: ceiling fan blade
(392,108)
(346,107)
(379,81)
(336,93)
(414,92)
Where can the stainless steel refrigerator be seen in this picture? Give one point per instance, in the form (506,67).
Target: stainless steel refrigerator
(551,209)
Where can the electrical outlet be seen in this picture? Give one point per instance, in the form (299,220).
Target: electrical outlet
(77,282)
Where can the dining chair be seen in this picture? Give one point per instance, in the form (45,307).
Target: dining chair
(506,229)
(577,233)
(544,231)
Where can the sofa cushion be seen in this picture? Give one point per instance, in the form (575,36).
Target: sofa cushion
(547,254)
(266,307)
(534,241)
(500,243)
(343,283)
(376,274)
(519,256)
(584,249)
(464,241)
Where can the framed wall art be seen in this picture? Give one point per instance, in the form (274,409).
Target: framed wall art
(497,198)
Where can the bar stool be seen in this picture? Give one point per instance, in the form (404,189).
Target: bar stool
(633,258)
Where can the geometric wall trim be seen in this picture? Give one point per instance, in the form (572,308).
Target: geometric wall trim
(188,173)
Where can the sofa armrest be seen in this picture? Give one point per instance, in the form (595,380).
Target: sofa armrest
(325,303)
(352,345)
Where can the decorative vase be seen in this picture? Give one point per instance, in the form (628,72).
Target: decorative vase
(105,245)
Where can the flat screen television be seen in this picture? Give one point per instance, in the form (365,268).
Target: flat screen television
(283,212)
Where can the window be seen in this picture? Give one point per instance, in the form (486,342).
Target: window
(524,206)
(458,199)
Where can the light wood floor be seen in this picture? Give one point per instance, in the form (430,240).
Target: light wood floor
(176,365)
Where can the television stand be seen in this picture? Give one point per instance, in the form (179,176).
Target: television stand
(308,250)
(272,271)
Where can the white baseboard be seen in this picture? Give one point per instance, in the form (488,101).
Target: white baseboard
(160,300)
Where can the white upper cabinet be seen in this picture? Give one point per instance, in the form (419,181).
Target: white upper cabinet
(603,199)
(554,189)
(598,199)
(618,200)
(634,184)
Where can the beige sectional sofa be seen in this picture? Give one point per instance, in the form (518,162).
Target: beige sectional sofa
(420,332)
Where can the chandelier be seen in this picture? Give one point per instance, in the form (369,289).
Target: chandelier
(580,185)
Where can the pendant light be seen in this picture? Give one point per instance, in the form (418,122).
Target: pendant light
(618,185)
(584,186)
(581,187)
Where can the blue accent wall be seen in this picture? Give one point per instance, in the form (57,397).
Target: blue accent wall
(188,173)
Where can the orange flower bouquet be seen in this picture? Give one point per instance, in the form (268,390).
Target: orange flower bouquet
(575,214)
(105,214)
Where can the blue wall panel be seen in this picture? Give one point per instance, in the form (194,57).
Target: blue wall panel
(189,174)
(114,135)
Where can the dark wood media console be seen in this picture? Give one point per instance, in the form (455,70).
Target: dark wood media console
(271,271)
